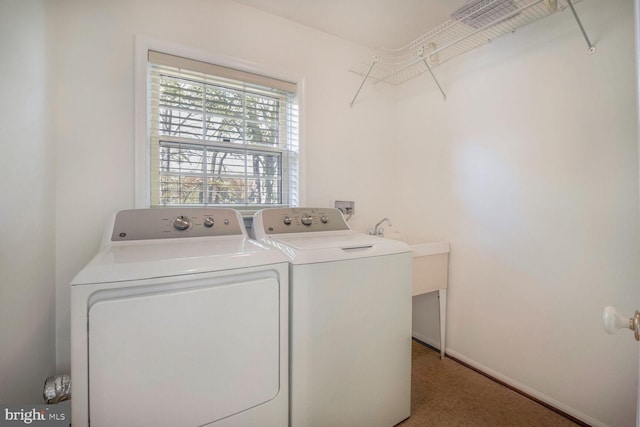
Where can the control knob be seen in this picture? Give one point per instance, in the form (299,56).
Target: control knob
(287,220)
(306,220)
(324,219)
(181,223)
(208,222)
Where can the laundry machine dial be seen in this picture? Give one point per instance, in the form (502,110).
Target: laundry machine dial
(287,220)
(181,223)
(208,222)
(306,220)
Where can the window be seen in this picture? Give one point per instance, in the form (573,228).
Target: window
(220,136)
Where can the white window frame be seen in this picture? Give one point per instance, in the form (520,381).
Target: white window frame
(142,134)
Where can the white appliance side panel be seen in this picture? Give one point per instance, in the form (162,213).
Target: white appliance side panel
(351,342)
(184,357)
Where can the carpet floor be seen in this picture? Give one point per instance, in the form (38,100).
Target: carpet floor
(445,393)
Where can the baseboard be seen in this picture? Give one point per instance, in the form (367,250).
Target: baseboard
(546,401)
(426,340)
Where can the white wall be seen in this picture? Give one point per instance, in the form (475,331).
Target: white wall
(27,282)
(530,170)
(346,150)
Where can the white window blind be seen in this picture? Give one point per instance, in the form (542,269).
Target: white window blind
(220,136)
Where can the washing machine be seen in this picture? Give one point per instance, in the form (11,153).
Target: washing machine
(350,319)
(180,320)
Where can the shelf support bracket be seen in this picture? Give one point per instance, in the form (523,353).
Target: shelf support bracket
(362,84)
(592,48)
(444,95)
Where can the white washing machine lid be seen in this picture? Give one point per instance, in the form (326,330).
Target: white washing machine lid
(173,257)
(308,248)
(160,242)
(312,235)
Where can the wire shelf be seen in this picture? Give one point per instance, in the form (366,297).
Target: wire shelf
(476,23)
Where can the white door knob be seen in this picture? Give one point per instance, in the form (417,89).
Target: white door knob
(613,321)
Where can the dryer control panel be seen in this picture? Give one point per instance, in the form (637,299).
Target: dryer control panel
(167,223)
(299,220)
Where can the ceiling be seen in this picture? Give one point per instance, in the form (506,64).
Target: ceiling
(372,23)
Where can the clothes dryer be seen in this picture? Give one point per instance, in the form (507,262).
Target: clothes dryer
(350,304)
(180,320)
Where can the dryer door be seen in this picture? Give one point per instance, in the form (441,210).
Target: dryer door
(184,356)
